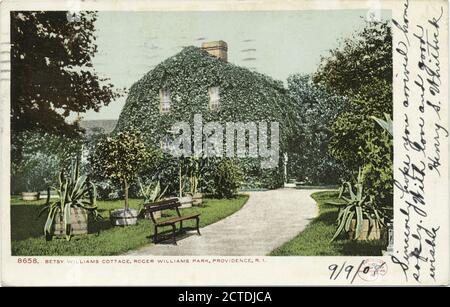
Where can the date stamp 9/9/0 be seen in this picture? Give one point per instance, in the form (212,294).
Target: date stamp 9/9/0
(369,270)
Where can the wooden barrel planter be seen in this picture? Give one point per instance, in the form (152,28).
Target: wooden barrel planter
(28,196)
(78,222)
(374,234)
(122,217)
(185,201)
(197,199)
(156,214)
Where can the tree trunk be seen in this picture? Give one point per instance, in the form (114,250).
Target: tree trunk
(181,182)
(126,195)
(48,196)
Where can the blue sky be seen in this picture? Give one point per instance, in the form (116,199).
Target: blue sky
(276,43)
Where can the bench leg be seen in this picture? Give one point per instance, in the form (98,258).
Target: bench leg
(198,226)
(173,234)
(155,235)
(181,226)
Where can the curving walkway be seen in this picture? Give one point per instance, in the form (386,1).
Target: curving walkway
(266,221)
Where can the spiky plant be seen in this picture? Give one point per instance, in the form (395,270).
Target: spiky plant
(357,206)
(385,124)
(196,167)
(73,191)
(152,192)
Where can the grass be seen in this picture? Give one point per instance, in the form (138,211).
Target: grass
(315,239)
(28,240)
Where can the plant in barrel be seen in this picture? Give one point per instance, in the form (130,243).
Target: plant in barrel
(152,193)
(120,158)
(76,196)
(196,168)
(360,217)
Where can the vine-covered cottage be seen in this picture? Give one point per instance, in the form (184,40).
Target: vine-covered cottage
(201,82)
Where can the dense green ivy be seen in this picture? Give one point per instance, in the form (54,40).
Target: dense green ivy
(244,96)
(316,110)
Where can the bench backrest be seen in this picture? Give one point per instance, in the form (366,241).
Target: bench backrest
(161,205)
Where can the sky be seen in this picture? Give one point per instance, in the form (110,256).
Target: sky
(276,43)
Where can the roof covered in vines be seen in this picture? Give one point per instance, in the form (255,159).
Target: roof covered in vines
(245,95)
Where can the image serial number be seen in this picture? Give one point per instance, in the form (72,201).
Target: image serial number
(27,260)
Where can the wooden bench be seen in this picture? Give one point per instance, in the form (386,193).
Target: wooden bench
(168,205)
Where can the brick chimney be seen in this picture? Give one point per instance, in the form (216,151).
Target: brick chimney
(218,49)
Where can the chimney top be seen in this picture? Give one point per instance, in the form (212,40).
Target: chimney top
(219,49)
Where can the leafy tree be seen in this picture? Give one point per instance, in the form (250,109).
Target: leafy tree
(120,158)
(358,61)
(360,69)
(43,156)
(354,126)
(315,111)
(52,73)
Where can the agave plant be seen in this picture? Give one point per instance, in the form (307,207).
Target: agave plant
(73,191)
(152,192)
(357,206)
(385,124)
(196,166)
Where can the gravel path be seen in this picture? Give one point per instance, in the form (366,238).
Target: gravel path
(266,221)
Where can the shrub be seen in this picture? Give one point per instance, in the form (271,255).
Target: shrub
(256,178)
(315,111)
(377,171)
(224,178)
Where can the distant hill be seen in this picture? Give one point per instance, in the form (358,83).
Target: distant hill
(102,125)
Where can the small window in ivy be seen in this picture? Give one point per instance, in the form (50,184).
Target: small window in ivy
(166,145)
(164,96)
(214,98)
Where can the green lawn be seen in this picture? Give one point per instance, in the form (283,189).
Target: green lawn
(315,239)
(27,229)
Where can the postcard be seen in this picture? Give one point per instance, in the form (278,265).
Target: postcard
(234,143)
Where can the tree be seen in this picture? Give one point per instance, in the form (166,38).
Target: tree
(358,61)
(360,69)
(120,158)
(315,110)
(43,155)
(52,73)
